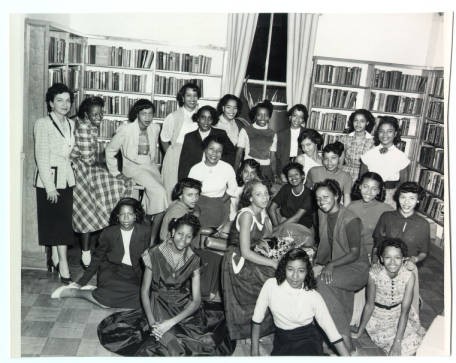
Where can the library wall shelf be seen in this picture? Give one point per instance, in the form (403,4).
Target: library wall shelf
(147,94)
(393,91)
(433,120)
(337,85)
(440,223)
(333,108)
(394,113)
(118,67)
(188,73)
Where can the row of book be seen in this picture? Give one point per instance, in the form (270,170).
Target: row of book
(437,87)
(164,107)
(433,134)
(327,97)
(432,181)
(383,102)
(115,81)
(74,52)
(432,207)
(171,85)
(184,62)
(431,157)
(71,77)
(326,73)
(398,81)
(57,50)
(435,110)
(105,55)
(116,105)
(329,138)
(327,121)
(407,126)
(108,127)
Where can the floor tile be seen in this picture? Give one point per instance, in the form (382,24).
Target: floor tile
(79,316)
(46,301)
(36,329)
(24,311)
(40,313)
(91,348)
(76,303)
(60,347)
(67,330)
(28,299)
(32,345)
(90,332)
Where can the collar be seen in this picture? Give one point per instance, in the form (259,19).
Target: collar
(256,126)
(367,135)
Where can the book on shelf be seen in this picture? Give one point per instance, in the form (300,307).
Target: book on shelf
(348,76)
(104,55)
(407,126)
(57,47)
(115,81)
(396,80)
(164,107)
(327,121)
(337,98)
(329,138)
(437,87)
(116,105)
(171,85)
(383,102)
(108,128)
(185,62)
(431,157)
(435,110)
(432,181)
(432,207)
(74,52)
(433,134)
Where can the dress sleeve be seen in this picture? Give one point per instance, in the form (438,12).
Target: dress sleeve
(325,320)
(146,259)
(231,181)
(166,133)
(353,231)
(243,140)
(83,141)
(43,153)
(279,198)
(262,302)
(112,149)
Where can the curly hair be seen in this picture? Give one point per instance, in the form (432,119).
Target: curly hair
(332,185)
(312,135)
(389,120)
(189,85)
(54,90)
(370,119)
(252,163)
(356,190)
(224,101)
(212,111)
(392,242)
(292,255)
(87,104)
(185,183)
(265,104)
(291,166)
(141,104)
(132,202)
(409,187)
(336,148)
(299,107)
(244,201)
(213,138)
(186,220)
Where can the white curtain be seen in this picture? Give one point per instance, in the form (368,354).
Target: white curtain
(302,31)
(241,30)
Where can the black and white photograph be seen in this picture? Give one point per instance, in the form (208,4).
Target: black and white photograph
(259,182)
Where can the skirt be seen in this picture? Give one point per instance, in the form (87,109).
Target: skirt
(305,340)
(55,220)
(214,211)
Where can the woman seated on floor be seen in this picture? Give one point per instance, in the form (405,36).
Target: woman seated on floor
(116,261)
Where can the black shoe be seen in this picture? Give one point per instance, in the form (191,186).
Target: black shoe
(85,267)
(51,267)
(65,280)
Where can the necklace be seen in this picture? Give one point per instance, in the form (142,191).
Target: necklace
(298,194)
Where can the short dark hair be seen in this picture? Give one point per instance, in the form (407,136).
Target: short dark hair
(409,187)
(213,138)
(251,163)
(336,148)
(293,165)
(312,135)
(292,255)
(356,190)
(87,104)
(141,104)
(54,90)
(244,201)
(189,85)
(370,119)
(299,107)
(225,99)
(185,183)
(265,104)
(187,220)
(390,120)
(392,242)
(132,202)
(333,187)
(212,111)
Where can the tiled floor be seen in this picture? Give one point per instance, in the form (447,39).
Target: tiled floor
(68,327)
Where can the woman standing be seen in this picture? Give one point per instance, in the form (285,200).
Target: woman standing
(358,141)
(54,180)
(173,131)
(310,142)
(228,110)
(96,192)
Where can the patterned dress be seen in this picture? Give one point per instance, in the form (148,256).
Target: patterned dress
(96,192)
(382,326)
(354,148)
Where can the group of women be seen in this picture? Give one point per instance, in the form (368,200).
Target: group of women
(216,176)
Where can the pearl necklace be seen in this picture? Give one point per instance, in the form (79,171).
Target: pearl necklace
(297,195)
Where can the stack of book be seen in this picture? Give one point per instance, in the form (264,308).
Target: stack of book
(326,73)
(432,181)
(74,52)
(185,62)
(407,126)
(433,134)
(327,121)
(381,102)
(164,107)
(432,207)
(396,80)
(56,50)
(172,85)
(104,55)
(435,110)
(431,157)
(437,87)
(109,127)
(115,81)
(335,98)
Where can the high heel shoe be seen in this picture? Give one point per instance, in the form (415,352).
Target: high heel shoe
(65,280)
(51,267)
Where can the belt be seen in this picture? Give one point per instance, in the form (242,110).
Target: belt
(381,306)
(391,184)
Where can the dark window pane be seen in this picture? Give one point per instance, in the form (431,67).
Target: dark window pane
(257,59)
(278,52)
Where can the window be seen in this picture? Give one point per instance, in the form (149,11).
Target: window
(266,70)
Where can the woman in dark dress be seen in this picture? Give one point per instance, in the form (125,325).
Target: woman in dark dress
(171,322)
(118,272)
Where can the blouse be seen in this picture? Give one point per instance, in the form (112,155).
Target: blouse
(217,180)
(388,165)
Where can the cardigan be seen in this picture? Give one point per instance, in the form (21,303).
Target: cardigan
(111,248)
(283,148)
(52,155)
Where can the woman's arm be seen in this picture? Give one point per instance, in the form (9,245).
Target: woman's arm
(245,221)
(272,211)
(368,308)
(342,158)
(405,309)
(255,339)
(145,296)
(238,158)
(111,151)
